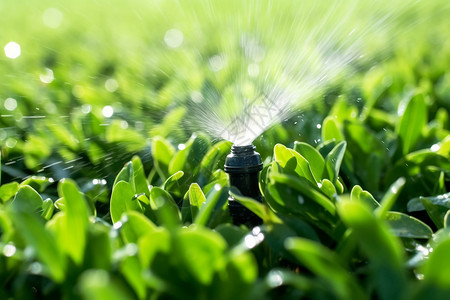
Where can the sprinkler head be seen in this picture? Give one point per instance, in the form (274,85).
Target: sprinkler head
(243,165)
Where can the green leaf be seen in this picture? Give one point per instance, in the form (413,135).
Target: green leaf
(196,199)
(76,219)
(330,130)
(306,189)
(127,175)
(47,209)
(98,285)
(436,270)
(201,253)
(325,264)
(8,190)
(122,200)
(358,194)
(162,152)
(134,226)
(383,250)
(215,200)
(435,211)
(328,188)
(415,204)
(214,159)
(390,197)
(256,207)
(334,159)
(132,270)
(292,162)
(165,208)
(411,122)
(172,181)
(140,180)
(27,199)
(152,243)
(31,228)
(403,225)
(314,158)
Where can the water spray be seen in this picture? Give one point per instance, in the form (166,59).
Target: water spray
(243,165)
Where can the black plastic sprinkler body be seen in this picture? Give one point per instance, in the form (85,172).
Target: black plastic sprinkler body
(243,165)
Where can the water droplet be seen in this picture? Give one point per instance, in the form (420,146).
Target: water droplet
(11,142)
(319,126)
(173,38)
(250,241)
(47,77)
(10,104)
(123,124)
(217,187)
(275,279)
(181,146)
(9,250)
(108,111)
(217,63)
(435,148)
(111,85)
(12,50)
(300,199)
(86,108)
(117,225)
(52,17)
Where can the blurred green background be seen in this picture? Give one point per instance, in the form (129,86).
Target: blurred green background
(96,80)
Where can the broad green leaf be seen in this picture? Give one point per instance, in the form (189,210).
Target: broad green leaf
(39,183)
(140,180)
(213,159)
(232,234)
(325,264)
(415,204)
(31,228)
(390,197)
(196,199)
(165,208)
(305,189)
(127,175)
(333,161)
(134,226)
(330,130)
(411,122)
(162,152)
(447,219)
(292,162)
(27,199)
(328,188)
(8,190)
(435,211)
(358,194)
(314,158)
(152,243)
(132,270)
(382,249)
(98,285)
(76,219)
(436,270)
(172,181)
(256,207)
(47,209)
(98,247)
(201,253)
(403,225)
(122,200)
(214,201)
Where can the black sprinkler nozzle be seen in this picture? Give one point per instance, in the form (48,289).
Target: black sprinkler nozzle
(243,165)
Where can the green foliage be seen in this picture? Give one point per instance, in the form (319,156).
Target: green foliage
(134,205)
